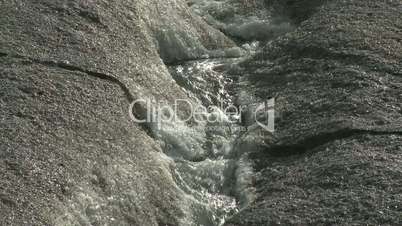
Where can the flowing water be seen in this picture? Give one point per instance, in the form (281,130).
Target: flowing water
(208,167)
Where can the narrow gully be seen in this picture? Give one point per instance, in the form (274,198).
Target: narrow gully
(205,155)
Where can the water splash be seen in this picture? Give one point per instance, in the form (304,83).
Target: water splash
(206,162)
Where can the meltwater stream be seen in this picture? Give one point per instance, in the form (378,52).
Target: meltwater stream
(204,153)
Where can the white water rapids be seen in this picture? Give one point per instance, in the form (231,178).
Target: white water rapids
(210,168)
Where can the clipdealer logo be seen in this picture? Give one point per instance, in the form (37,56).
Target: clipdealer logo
(152,111)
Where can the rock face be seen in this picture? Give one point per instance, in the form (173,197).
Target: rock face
(335,157)
(69,153)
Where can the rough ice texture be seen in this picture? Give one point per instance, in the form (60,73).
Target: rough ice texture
(336,155)
(69,154)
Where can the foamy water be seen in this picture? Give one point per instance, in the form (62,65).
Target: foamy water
(208,167)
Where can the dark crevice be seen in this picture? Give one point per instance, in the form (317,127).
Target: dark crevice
(90,16)
(69,67)
(4,198)
(313,142)
(318,53)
